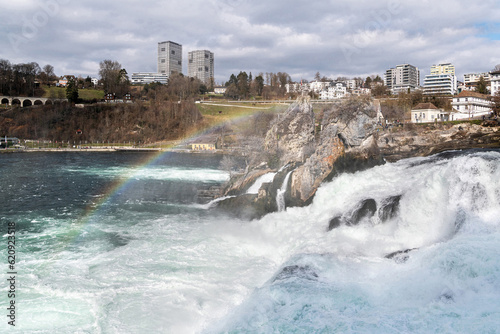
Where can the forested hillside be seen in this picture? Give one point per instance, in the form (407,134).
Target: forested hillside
(103,122)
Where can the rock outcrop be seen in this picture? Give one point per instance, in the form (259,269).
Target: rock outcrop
(411,141)
(346,140)
(292,136)
(311,155)
(347,127)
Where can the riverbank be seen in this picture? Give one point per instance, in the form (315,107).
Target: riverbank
(115,149)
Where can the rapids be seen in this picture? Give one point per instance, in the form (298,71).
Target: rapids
(422,257)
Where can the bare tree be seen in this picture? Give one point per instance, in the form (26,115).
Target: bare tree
(227,163)
(496,103)
(114,77)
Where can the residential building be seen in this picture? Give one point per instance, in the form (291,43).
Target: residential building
(109,97)
(469,104)
(440,84)
(94,81)
(427,112)
(63,82)
(446,68)
(201,66)
(351,83)
(318,86)
(169,57)
(296,87)
(495,82)
(220,90)
(203,146)
(361,91)
(402,78)
(471,80)
(334,91)
(148,77)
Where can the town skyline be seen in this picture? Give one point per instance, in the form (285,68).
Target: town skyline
(334,38)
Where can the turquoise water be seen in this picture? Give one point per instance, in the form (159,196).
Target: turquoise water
(151,259)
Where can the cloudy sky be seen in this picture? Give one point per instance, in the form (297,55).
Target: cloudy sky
(336,38)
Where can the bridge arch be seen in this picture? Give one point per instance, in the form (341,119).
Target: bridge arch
(16,101)
(5,101)
(27,103)
(38,103)
(49,102)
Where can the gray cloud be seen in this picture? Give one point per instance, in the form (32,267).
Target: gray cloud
(351,38)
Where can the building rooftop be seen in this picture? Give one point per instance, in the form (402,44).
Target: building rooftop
(422,106)
(469,93)
(169,42)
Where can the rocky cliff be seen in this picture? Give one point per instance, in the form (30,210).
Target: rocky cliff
(346,128)
(410,141)
(345,138)
(291,137)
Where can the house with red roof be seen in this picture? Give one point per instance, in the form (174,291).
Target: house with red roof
(428,113)
(469,104)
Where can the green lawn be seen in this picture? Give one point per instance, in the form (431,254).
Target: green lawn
(84,94)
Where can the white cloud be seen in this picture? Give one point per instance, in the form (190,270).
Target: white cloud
(298,37)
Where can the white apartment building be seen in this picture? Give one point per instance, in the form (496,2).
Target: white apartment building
(149,77)
(293,87)
(201,65)
(220,90)
(361,91)
(495,82)
(471,80)
(333,91)
(402,78)
(440,84)
(169,58)
(318,86)
(470,104)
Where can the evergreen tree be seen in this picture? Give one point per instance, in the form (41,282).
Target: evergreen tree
(72,91)
(368,82)
(259,84)
(482,87)
(242,84)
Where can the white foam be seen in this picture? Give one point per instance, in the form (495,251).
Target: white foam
(159,173)
(254,189)
(191,272)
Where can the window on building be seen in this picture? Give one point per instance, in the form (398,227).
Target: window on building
(179,62)
(173,52)
(163,49)
(163,60)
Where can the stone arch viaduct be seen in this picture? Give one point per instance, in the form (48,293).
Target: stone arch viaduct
(24,101)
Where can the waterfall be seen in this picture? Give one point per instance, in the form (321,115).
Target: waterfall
(280,194)
(254,189)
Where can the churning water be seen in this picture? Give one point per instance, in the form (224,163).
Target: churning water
(105,246)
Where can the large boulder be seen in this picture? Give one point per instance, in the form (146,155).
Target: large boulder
(291,137)
(347,127)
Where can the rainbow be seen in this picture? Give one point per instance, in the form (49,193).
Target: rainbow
(94,210)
